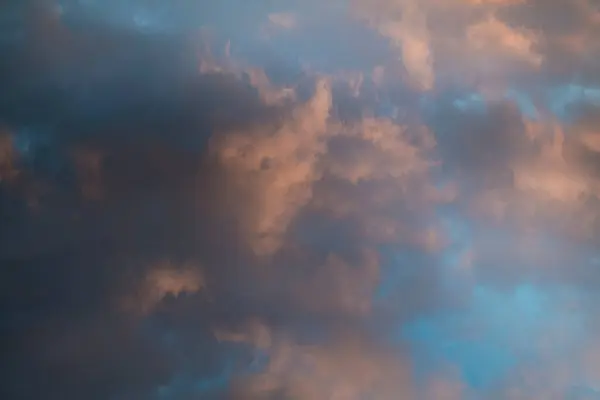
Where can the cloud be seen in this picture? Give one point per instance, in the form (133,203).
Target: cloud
(350,368)
(377,199)
(167,280)
(7,158)
(497,38)
(283,20)
(551,176)
(168,198)
(378,149)
(279,165)
(405,25)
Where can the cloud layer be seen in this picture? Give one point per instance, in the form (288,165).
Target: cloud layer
(388,199)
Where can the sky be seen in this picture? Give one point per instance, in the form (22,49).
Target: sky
(300,200)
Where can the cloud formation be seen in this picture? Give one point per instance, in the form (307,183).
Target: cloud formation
(279,166)
(368,199)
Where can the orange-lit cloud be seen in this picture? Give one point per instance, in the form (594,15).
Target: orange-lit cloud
(350,368)
(405,25)
(275,167)
(313,201)
(162,280)
(495,38)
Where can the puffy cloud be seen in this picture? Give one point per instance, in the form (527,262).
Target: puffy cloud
(278,165)
(382,199)
(349,368)
(166,280)
(551,176)
(379,149)
(378,174)
(497,38)
(404,24)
